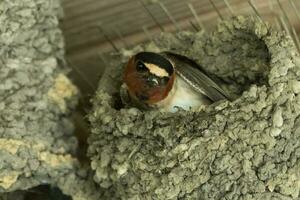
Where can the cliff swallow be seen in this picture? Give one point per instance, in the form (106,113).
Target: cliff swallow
(167,80)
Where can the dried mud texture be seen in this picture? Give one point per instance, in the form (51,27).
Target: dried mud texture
(245,149)
(37,145)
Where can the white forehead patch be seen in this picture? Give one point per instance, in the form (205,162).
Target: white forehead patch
(156,70)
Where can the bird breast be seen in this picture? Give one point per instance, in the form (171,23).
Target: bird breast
(184,96)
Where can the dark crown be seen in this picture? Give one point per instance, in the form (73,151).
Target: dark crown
(156,59)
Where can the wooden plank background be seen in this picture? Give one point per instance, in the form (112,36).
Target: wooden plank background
(124,20)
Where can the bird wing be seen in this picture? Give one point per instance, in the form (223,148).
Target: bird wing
(195,76)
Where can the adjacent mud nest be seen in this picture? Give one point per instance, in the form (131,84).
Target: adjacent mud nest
(37,144)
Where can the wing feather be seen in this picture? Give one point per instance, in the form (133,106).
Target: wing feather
(195,76)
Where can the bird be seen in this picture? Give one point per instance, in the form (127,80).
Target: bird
(168,81)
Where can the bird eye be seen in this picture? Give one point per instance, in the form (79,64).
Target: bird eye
(165,80)
(141,67)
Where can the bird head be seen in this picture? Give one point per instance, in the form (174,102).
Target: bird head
(149,77)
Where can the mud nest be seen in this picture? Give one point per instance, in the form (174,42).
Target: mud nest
(245,149)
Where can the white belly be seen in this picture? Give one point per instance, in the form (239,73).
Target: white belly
(184,96)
